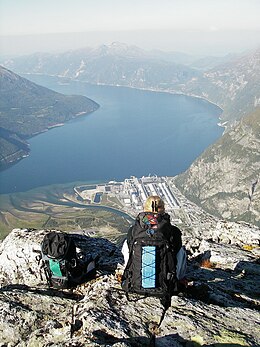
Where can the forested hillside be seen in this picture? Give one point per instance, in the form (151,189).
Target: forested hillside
(27,109)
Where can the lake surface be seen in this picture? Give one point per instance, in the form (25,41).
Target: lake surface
(134,132)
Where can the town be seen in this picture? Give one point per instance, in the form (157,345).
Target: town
(130,195)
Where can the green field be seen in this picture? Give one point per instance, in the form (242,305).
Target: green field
(55,207)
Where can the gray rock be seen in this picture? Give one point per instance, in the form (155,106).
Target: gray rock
(224,180)
(20,249)
(220,308)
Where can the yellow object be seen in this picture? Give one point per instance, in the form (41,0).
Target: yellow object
(198,340)
(154,204)
(248,247)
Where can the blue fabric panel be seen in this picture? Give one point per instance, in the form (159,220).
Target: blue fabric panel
(148,266)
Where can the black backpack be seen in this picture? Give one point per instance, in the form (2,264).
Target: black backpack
(151,268)
(62,267)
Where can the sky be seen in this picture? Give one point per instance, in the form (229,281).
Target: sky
(192,26)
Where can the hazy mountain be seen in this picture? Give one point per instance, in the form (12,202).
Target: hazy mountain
(210,62)
(193,61)
(233,85)
(37,62)
(175,57)
(115,64)
(224,180)
(27,109)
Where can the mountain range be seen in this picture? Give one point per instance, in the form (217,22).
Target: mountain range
(224,180)
(27,109)
(232,82)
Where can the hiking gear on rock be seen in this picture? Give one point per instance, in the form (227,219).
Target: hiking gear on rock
(63,267)
(154,204)
(151,267)
(181,258)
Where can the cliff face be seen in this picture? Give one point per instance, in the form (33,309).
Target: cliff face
(220,308)
(224,180)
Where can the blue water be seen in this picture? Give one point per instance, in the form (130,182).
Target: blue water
(97,198)
(134,132)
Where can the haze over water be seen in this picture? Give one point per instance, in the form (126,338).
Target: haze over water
(134,132)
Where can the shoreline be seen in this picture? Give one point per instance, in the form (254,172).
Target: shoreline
(68,201)
(83,113)
(157,91)
(172,92)
(167,92)
(9,164)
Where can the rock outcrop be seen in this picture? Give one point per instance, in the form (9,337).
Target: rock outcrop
(224,180)
(220,309)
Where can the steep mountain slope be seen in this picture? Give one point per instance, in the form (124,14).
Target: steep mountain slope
(27,109)
(234,86)
(224,180)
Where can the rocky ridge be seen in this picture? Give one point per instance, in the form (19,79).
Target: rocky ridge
(221,309)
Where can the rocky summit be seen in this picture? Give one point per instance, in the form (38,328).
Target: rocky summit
(219,308)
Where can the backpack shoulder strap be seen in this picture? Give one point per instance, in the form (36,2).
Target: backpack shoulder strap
(129,237)
(175,238)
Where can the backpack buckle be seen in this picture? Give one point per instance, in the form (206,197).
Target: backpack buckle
(73,263)
(150,232)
